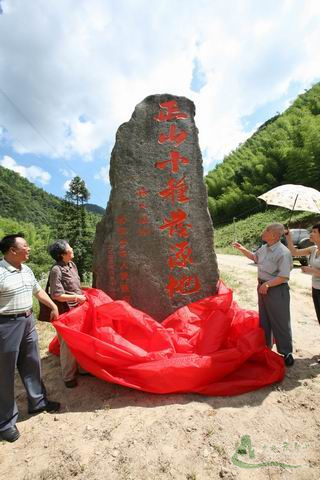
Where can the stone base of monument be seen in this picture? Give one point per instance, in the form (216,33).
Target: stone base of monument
(210,347)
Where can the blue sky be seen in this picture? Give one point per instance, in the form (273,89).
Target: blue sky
(71,71)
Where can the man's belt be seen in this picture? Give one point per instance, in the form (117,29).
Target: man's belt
(27,313)
(260,282)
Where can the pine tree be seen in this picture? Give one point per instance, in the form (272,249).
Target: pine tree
(74,224)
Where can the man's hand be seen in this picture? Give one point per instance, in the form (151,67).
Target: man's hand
(263,289)
(54,313)
(243,250)
(238,246)
(43,297)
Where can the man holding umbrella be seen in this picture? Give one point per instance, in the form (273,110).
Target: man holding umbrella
(274,262)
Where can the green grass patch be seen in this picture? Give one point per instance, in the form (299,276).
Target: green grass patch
(248,231)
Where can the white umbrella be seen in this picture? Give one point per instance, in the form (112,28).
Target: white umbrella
(294,197)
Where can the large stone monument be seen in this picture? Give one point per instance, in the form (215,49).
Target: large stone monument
(154,245)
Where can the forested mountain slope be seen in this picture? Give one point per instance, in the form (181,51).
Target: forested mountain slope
(43,217)
(23,201)
(285,149)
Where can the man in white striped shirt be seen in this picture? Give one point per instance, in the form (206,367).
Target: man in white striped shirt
(18,336)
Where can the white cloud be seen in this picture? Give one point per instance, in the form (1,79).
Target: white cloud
(84,139)
(67,172)
(66,185)
(103,175)
(96,60)
(32,173)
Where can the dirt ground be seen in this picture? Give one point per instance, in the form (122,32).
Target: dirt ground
(105,431)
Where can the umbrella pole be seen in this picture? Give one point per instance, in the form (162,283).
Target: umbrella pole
(292,209)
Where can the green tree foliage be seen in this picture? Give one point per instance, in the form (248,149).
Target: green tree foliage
(248,231)
(22,200)
(91,207)
(43,218)
(76,225)
(285,149)
(78,192)
(38,237)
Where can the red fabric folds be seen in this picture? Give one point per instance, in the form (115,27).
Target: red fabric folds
(211,346)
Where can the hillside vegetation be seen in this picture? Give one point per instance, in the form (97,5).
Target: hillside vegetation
(248,231)
(43,217)
(22,200)
(285,149)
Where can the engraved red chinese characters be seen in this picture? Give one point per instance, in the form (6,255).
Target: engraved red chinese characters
(170,111)
(176,191)
(184,285)
(173,137)
(176,224)
(175,159)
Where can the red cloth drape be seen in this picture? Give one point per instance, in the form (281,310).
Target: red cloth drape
(211,347)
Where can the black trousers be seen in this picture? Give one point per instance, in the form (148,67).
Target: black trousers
(316,301)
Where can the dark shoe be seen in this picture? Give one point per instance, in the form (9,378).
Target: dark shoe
(49,407)
(10,435)
(289,360)
(71,383)
(85,374)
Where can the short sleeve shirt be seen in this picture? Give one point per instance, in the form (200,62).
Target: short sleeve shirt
(274,261)
(16,288)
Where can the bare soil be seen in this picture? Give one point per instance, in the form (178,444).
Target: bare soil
(105,431)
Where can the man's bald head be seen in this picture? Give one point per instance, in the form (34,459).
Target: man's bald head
(272,233)
(276,228)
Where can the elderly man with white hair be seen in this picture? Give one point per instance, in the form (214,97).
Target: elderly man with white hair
(274,263)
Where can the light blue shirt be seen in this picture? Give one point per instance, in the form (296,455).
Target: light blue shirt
(274,261)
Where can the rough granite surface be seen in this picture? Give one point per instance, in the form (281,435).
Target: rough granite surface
(154,245)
